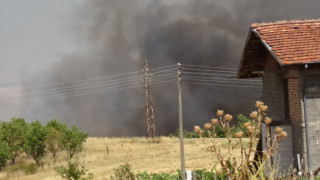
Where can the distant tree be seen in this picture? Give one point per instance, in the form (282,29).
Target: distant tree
(36,138)
(5,155)
(55,131)
(13,134)
(73,141)
(57,125)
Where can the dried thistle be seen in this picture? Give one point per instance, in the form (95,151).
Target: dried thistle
(249,128)
(207,126)
(278,129)
(220,112)
(201,132)
(258,104)
(267,120)
(264,152)
(254,115)
(214,121)
(263,108)
(247,124)
(196,129)
(228,117)
(283,134)
(238,134)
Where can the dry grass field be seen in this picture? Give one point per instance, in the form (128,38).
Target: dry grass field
(162,155)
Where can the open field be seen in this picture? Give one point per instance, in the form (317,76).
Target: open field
(162,155)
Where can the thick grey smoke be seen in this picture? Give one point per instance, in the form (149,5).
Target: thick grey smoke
(116,36)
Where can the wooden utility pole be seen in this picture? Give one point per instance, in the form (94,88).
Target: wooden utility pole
(150,126)
(183,169)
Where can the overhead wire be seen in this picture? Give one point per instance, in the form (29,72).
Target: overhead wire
(106,90)
(208,70)
(209,67)
(223,81)
(228,85)
(137,78)
(190,73)
(226,93)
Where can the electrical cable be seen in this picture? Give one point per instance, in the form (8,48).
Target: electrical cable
(209,67)
(226,81)
(231,85)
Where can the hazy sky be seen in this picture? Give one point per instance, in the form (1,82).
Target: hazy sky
(33,35)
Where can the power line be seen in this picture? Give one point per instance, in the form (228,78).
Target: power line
(163,67)
(227,85)
(208,70)
(220,78)
(223,92)
(157,71)
(81,86)
(95,78)
(208,74)
(223,81)
(101,90)
(209,67)
(107,90)
(85,86)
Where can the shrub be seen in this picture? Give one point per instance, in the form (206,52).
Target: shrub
(4,155)
(123,172)
(26,168)
(73,171)
(161,176)
(30,169)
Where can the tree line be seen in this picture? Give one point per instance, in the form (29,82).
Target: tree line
(37,140)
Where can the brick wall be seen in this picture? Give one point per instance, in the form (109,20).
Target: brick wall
(294,95)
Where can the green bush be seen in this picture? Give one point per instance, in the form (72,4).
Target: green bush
(123,172)
(26,168)
(5,155)
(30,169)
(73,171)
(162,176)
(186,134)
(220,133)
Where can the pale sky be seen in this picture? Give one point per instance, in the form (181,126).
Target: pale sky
(33,35)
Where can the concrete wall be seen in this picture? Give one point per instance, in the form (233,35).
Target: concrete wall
(273,96)
(312,87)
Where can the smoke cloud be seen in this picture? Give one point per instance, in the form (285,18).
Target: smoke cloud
(116,37)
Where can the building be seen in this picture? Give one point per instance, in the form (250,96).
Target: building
(286,54)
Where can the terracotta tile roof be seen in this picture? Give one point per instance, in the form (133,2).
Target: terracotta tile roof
(293,42)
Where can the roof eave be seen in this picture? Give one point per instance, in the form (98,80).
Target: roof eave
(243,53)
(267,46)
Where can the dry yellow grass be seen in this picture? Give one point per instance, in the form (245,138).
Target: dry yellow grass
(162,156)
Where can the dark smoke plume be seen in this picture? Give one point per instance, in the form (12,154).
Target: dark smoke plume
(116,36)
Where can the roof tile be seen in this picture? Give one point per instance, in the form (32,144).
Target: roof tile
(294,42)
